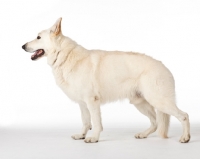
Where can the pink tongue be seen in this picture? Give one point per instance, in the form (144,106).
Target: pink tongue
(34,56)
(37,54)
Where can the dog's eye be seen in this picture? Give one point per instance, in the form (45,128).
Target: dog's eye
(38,37)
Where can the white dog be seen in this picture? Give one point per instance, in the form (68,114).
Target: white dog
(94,77)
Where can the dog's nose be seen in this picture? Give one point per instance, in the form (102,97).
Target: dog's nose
(23,47)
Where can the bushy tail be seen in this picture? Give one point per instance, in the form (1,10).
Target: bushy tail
(163,121)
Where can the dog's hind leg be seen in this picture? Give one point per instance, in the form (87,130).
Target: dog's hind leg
(145,108)
(169,107)
(86,119)
(161,96)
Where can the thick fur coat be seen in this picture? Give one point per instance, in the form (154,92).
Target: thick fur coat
(95,77)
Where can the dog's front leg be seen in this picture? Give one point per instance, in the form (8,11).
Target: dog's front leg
(93,105)
(85,115)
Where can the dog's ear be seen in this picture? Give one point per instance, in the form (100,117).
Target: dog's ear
(56,28)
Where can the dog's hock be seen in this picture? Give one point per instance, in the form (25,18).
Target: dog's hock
(56,28)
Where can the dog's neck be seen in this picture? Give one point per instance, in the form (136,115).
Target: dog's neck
(60,44)
(63,50)
(64,56)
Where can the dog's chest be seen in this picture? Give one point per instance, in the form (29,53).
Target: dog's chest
(69,83)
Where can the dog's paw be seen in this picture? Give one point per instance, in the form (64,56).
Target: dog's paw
(185,138)
(140,136)
(78,136)
(91,140)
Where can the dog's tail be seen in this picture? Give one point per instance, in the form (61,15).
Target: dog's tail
(163,121)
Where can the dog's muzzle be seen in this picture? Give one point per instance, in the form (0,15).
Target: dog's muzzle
(37,53)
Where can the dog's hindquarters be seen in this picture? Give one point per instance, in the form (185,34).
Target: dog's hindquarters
(158,89)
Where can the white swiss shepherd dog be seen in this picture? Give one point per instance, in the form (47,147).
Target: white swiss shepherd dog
(95,77)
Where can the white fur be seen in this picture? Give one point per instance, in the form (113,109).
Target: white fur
(95,77)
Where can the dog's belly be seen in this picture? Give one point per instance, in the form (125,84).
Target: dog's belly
(108,94)
(111,92)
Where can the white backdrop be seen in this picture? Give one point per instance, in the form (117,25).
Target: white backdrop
(166,30)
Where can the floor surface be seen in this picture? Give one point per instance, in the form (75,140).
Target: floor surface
(115,143)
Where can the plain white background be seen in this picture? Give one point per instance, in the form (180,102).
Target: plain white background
(167,30)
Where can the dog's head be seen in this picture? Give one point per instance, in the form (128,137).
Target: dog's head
(44,41)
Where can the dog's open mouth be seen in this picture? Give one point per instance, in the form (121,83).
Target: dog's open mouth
(38,53)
